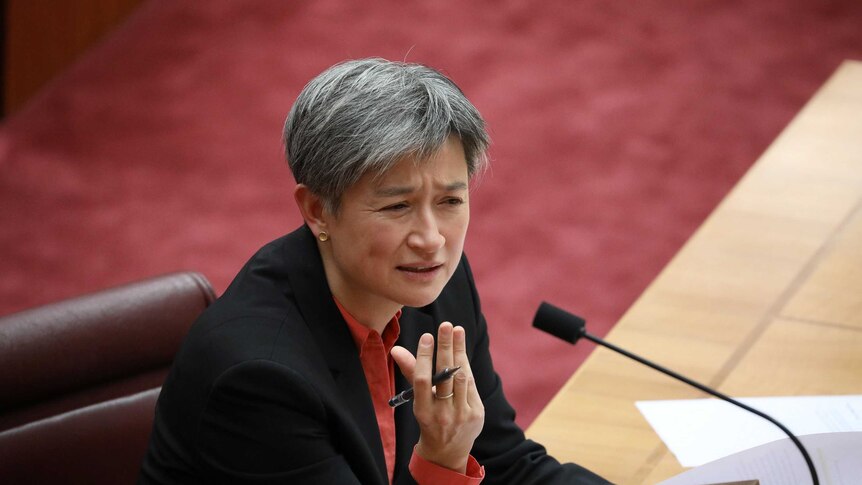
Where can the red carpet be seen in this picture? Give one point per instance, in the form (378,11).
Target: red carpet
(617,127)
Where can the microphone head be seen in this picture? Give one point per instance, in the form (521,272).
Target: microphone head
(559,323)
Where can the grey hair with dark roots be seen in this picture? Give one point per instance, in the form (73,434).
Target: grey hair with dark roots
(363,116)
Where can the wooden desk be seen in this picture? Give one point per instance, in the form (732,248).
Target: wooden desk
(765,299)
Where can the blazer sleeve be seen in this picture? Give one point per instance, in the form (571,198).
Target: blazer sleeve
(264,424)
(502,448)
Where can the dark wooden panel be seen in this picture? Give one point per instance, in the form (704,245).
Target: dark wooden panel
(43,37)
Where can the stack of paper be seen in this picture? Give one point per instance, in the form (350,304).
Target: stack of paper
(699,431)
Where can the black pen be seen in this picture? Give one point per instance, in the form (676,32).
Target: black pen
(406,396)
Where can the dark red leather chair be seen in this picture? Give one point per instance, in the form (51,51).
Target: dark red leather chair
(79,379)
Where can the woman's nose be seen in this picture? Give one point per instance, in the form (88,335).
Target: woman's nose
(426,235)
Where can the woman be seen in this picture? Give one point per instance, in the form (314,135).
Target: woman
(286,378)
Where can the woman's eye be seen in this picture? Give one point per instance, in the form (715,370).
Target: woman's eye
(395,207)
(454,201)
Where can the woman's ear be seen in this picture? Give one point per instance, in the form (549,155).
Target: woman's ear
(311,207)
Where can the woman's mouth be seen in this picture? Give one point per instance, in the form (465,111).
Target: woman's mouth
(420,269)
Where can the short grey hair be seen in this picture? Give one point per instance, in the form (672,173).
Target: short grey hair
(363,116)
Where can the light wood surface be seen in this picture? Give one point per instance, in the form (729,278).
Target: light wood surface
(765,299)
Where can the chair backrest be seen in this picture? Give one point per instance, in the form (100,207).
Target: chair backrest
(79,379)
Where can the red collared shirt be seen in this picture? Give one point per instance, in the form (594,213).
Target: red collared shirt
(379,369)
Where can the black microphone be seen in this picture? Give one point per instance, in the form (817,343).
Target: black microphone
(569,327)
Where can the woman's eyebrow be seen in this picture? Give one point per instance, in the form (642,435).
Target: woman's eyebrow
(454,186)
(393,191)
(397,190)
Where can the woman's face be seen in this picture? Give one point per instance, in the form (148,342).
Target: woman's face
(398,238)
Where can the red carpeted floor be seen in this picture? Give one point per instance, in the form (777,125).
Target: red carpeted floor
(617,127)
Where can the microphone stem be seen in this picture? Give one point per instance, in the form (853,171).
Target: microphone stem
(712,392)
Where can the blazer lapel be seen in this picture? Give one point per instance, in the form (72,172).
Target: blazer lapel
(324,320)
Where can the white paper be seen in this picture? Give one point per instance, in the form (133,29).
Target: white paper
(837,458)
(699,431)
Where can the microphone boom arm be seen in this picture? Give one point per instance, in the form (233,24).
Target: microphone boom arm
(712,392)
(571,328)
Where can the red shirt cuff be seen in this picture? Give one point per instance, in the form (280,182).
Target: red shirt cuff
(427,473)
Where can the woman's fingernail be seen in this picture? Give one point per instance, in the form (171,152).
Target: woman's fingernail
(426,340)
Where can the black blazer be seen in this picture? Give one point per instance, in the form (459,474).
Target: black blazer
(268,387)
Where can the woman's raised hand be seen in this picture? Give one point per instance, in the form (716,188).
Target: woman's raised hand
(451,416)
